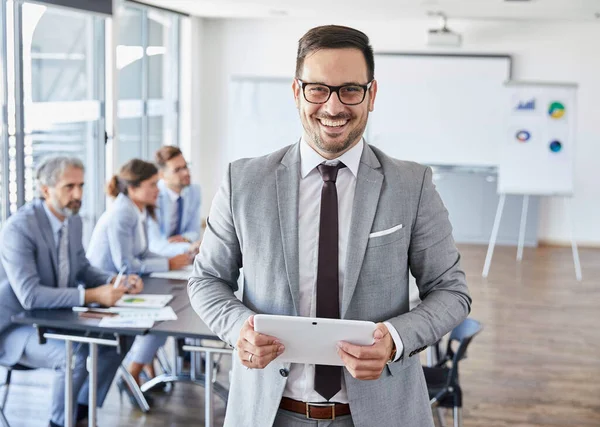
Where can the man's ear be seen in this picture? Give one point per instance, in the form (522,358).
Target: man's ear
(296,89)
(45,190)
(373,94)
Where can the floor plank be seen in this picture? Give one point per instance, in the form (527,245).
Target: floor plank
(536,363)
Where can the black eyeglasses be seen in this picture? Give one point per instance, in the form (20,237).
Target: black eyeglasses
(319,93)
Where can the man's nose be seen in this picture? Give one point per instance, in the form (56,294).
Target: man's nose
(334,106)
(78,193)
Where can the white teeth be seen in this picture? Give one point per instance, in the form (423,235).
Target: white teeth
(333,123)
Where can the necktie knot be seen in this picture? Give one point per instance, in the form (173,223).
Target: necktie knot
(329,173)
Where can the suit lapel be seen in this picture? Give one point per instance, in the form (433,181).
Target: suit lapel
(288,177)
(46,230)
(164,213)
(364,208)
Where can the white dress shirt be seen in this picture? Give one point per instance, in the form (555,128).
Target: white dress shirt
(300,383)
(56,225)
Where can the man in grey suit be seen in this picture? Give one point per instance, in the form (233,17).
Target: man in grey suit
(43,265)
(329,227)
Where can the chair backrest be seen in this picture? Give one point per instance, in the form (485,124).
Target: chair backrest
(463,334)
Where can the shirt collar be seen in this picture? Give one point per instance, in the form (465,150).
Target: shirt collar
(310,159)
(173,196)
(55,223)
(143,214)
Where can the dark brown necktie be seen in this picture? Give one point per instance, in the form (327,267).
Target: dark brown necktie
(328,379)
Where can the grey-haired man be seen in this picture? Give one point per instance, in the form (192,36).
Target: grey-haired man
(43,265)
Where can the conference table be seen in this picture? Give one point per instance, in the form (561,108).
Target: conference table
(73,327)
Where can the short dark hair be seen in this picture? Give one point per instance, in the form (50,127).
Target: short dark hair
(166,153)
(334,37)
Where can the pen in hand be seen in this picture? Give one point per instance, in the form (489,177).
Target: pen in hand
(119,276)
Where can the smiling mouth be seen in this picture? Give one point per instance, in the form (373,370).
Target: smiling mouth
(328,123)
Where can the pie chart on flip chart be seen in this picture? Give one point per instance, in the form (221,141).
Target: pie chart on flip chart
(555,146)
(523,136)
(556,110)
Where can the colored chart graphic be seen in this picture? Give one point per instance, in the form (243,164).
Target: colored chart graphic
(133,300)
(523,136)
(556,110)
(526,105)
(555,146)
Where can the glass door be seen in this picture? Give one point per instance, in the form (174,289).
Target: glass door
(63,96)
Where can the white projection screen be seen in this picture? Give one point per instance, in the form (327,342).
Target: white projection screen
(440,109)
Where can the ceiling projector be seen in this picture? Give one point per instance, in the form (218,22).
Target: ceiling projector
(443,36)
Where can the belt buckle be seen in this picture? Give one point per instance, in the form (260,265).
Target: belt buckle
(320,405)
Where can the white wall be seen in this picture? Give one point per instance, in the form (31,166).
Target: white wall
(554,52)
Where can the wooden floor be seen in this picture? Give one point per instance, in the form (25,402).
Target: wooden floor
(536,363)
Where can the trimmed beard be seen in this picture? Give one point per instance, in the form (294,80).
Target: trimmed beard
(353,136)
(64,211)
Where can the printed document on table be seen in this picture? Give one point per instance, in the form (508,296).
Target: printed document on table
(119,322)
(182,274)
(144,301)
(155,314)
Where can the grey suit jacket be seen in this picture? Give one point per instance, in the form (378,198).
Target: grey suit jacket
(253,223)
(29,271)
(116,241)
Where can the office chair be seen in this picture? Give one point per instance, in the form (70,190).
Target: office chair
(6,385)
(442,379)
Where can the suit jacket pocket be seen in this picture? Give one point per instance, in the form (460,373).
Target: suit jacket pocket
(382,238)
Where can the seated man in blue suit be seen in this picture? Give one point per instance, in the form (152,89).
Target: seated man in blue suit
(177,226)
(43,265)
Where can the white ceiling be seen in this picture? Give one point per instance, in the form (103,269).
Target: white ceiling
(538,10)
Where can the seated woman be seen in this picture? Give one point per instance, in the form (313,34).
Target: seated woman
(120,243)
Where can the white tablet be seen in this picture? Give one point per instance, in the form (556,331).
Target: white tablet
(313,340)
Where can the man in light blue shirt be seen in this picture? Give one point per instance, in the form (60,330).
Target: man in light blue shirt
(43,266)
(177,226)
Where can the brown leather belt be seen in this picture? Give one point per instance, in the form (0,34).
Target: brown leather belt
(315,411)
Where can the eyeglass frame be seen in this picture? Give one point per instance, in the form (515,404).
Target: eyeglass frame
(335,89)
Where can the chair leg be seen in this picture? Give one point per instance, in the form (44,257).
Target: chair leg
(6,385)
(3,419)
(163,361)
(440,416)
(457,414)
(135,388)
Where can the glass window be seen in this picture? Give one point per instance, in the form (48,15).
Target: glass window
(3,124)
(130,140)
(148,64)
(129,54)
(63,71)
(156,135)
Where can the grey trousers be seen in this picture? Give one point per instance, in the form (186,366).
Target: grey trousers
(52,356)
(292,419)
(144,349)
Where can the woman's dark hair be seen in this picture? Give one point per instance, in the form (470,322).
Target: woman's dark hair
(334,37)
(132,174)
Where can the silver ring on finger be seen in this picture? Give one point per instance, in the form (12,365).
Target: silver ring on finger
(250,358)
